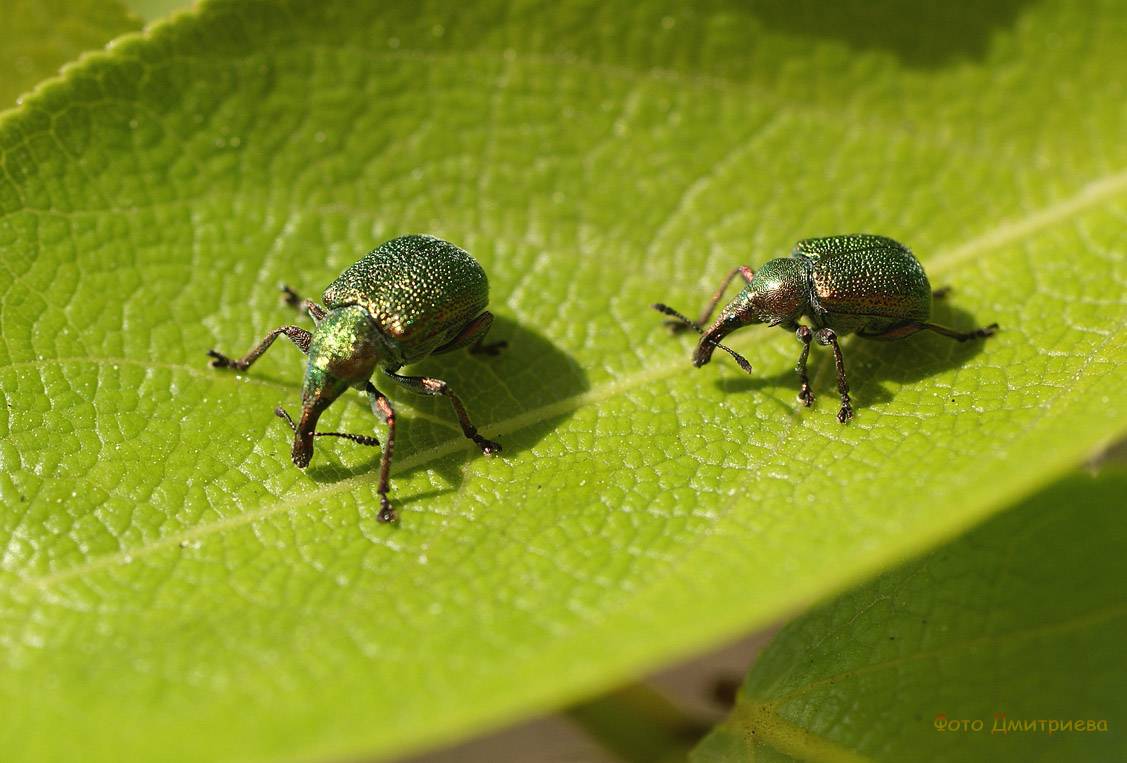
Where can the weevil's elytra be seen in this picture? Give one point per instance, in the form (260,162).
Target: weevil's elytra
(411,297)
(420,290)
(860,284)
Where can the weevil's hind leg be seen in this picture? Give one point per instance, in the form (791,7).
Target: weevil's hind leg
(901,330)
(742,270)
(805,395)
(962,336)
(295,334)
(941,292)
(829,337)
(302,305)
(425,385)
(381,406)
(472,335)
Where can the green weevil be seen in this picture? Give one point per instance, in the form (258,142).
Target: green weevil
(409,298)
(859,283)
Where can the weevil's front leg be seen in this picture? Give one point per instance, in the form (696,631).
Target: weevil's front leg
(805,395)
(425,385)
(473,336)
(298,336)
(307,306)
(829,337)
(381,406)
(677,326)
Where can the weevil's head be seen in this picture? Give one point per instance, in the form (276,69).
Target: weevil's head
(345,350)
(778,293)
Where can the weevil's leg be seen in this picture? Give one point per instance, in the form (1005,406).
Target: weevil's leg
(425,385)
(298,336)
(961,336)
(473,335)
(897,331)
(677,327)
(828,336)
(901,330)
(361,439)
(805,395)
(381,406)
(302,305)
(941,292)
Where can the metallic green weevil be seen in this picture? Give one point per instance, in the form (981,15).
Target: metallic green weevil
(859,284)
(411,297)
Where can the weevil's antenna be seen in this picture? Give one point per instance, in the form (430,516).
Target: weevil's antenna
(361,439)
(667,310)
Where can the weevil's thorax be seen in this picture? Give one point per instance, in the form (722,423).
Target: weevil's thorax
(347,346)
(345,350)
(780,291)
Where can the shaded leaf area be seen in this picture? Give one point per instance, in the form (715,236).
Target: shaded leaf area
(1004,645)
(165,568)
(39,36)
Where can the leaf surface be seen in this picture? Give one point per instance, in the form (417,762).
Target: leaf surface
(1004,645)
(171,586)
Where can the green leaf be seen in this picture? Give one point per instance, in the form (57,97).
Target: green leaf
(172,587)
(155,9)
(39,36)
(1005,645)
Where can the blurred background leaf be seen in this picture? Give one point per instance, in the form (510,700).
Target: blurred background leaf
(39,36)
(151,10)
(171,587)
(1022,618)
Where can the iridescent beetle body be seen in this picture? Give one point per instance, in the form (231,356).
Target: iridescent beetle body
(410,298)
(860,284)
(421,292)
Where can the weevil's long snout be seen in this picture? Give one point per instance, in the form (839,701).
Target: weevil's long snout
(317,394)
(728,322)
(303,436)
(711,338)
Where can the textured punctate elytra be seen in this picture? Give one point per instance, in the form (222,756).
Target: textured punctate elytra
(420,291)
(411,297)
(860,283)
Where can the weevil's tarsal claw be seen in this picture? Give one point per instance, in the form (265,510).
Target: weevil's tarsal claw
(290,297)
(387,513)
(806,395)
(488,447)
(219,360)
